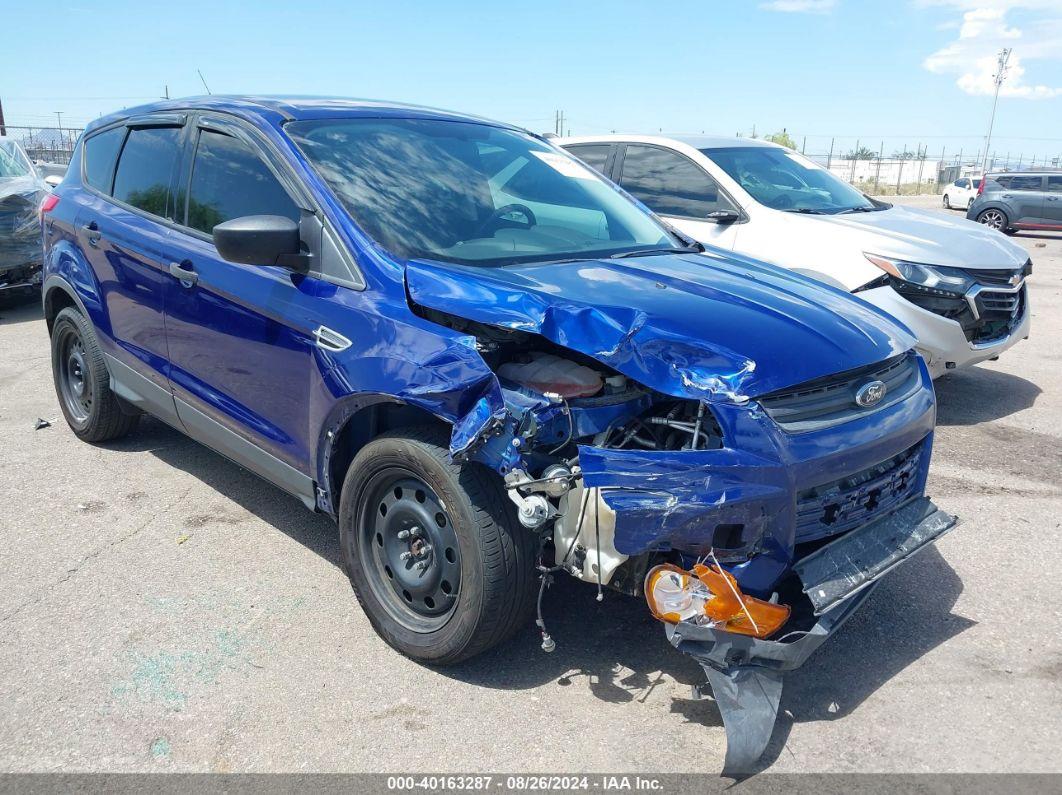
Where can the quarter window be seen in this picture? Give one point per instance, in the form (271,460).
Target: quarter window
(101,152)
(670,184)
(1054,184)
(229,180)
(145,169)
(594,155)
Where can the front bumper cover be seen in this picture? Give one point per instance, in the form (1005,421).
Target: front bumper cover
(745,673)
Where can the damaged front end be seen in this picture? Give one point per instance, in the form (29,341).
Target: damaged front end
(751,499)
(21,192)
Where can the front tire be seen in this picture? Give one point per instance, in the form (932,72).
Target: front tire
(83,384)
(432,549)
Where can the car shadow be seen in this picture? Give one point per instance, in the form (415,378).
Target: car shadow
(20,309)
(998,395)
(316,532)
(614,648)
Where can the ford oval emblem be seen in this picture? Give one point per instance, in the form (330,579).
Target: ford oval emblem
(870,394)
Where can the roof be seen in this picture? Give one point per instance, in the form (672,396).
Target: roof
(696,141)
(278,109)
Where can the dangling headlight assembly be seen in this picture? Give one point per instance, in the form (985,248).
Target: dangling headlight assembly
(927,279)
(709,596)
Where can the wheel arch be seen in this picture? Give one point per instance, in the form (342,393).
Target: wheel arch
(351,425)
(57,295)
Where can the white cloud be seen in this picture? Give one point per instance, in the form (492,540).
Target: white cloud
(984,31)
(800,6)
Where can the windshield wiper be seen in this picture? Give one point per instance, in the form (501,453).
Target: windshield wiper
(644,252)
(805,211)
(847,210)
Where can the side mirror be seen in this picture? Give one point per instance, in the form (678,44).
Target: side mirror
(721,217)
(261,240)
(53,180)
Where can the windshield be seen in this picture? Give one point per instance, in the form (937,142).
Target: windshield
(472,193)
(785,180)
(12,162)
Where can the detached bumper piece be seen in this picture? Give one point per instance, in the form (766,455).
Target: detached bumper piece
(745,672)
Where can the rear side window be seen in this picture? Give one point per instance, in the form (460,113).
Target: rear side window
(145,169)
(229,180)
(1054,184)
(101,151)
(594,155)
(1025,183)
(670,183)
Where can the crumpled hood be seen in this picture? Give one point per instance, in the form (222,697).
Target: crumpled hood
(924,236)
(697,326)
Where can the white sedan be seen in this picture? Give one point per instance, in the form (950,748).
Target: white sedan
(960,194)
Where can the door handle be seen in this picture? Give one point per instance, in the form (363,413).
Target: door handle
(1052,198)
(184,272)
(92,233)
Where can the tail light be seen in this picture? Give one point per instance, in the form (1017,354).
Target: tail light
(47,205)
(709,595)
(981,187)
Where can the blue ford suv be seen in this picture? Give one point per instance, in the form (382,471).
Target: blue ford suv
(490,366)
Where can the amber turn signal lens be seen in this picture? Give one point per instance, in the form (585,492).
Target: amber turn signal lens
(709,595)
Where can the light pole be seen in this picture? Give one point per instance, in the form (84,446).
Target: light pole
(999,77)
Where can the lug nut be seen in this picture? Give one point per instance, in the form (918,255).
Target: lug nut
(403,535)
(406,555)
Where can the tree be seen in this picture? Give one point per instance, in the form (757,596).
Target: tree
(905,154)
(782,139)
(862,153)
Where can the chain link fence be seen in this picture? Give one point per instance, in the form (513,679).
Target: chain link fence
(917,171)
(52,145)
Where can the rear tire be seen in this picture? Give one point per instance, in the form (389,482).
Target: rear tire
(996,219)
(82,383)
(432,549)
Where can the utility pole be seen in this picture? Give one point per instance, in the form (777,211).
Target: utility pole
(59,116)
(998,77)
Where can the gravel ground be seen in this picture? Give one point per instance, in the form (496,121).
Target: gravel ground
(163,610)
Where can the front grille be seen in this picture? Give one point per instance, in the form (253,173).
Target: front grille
(987,315)
(830,401)
(854,500)
(1000,277)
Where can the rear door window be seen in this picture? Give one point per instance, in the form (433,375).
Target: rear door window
(144,177)
(594,155)
(229,180)
(670,183)
(101,152)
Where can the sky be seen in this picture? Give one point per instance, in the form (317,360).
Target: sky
(892,75)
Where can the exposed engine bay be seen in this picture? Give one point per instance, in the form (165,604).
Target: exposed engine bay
(589,404)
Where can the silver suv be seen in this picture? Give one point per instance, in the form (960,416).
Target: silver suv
(1019,200)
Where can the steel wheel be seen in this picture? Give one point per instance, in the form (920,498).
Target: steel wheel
(994,219)
(75,386)
(410,548)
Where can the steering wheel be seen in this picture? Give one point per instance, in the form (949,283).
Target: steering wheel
(780,202)
(498,217)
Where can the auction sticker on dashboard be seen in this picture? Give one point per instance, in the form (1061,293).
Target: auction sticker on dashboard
(565,165)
